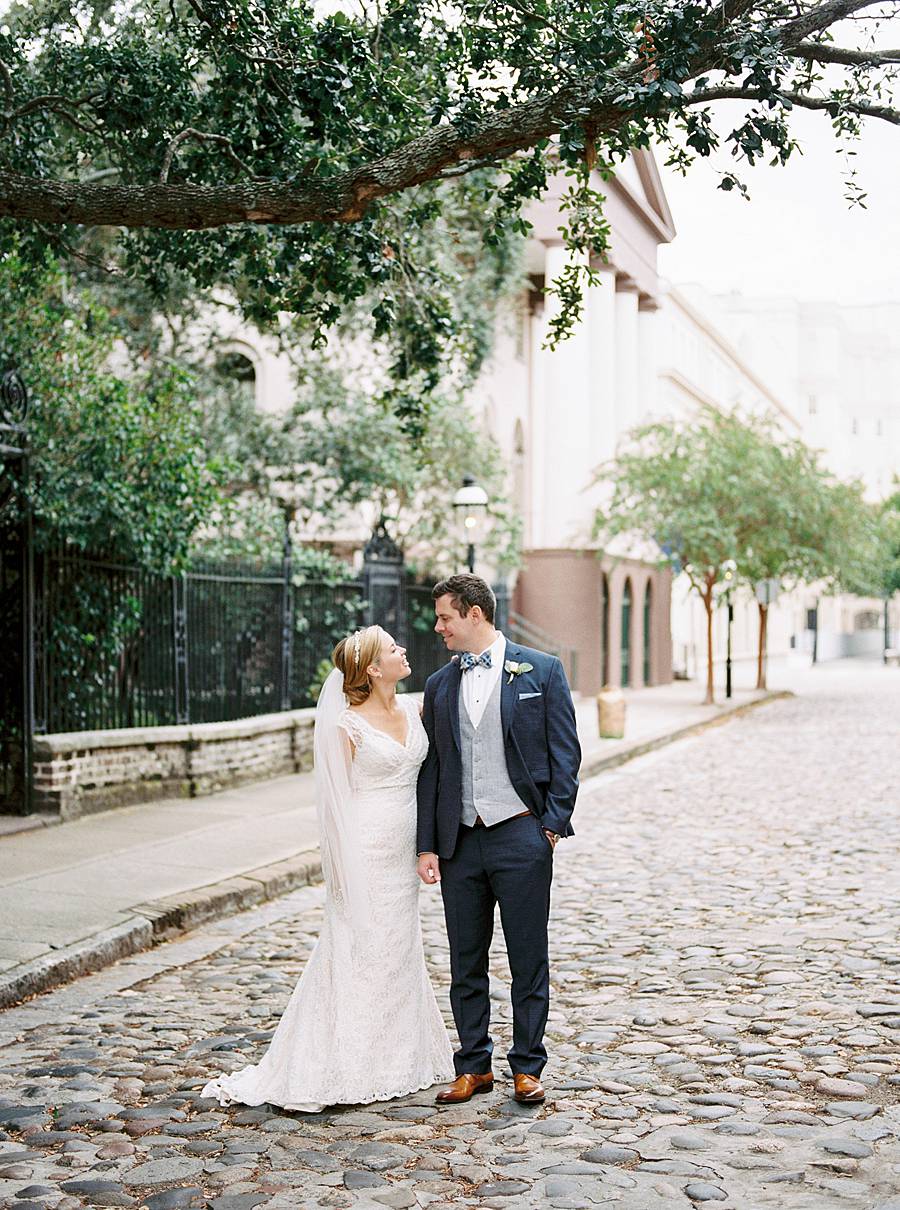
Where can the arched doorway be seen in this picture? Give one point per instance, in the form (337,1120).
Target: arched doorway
(625,642)
(648,617)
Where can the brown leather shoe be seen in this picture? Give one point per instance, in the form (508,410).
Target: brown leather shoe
(464,1088)
(528,1089)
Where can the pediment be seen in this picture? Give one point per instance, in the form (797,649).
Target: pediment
(638,179)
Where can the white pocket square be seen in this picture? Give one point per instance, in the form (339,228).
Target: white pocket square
(522,696)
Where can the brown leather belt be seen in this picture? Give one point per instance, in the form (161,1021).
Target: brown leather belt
(479,822)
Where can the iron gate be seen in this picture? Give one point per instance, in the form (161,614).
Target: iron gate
(16,602)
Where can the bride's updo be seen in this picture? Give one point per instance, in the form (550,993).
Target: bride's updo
(352,656)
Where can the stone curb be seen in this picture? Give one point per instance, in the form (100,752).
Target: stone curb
(159,920)
(590,768)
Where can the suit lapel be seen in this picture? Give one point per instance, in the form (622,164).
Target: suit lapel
(508,688)
(453,703)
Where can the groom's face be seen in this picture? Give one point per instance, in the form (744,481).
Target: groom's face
(456,631)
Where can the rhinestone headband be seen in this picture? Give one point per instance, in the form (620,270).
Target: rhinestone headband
(357,647)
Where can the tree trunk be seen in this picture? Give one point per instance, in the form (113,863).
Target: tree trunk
(710,698)
(763,641)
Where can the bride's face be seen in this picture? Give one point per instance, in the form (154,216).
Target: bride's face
(392,664)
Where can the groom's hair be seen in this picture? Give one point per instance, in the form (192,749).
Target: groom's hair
(467,590)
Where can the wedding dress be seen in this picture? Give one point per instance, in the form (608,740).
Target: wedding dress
(362,1024)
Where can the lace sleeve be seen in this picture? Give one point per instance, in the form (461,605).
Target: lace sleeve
(351,724)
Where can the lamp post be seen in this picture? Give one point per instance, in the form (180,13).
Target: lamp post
(284,493)
(287,605)
(470,507)
(886,622)
(729,567)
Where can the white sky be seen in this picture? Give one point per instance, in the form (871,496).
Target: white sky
(797,236)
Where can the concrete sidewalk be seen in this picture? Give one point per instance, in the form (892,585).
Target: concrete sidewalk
(79,895)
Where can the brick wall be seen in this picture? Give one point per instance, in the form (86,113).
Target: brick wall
(80,772)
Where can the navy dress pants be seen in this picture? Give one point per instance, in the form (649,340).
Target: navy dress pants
(511,864)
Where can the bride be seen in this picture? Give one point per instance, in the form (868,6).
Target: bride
(363,1023)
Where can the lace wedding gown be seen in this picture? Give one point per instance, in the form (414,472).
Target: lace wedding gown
(363,1023)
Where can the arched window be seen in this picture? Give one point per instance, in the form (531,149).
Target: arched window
(648,618)
(625,644)
(234,375)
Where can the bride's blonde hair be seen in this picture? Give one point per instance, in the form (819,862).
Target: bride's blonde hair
(352,656)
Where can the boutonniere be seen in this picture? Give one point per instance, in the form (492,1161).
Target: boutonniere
(516,669)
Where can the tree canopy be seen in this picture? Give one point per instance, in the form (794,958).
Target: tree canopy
(299,153)
(118,465)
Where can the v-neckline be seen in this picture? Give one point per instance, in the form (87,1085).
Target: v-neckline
(378,730)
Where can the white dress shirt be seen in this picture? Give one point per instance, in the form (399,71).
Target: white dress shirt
(479,683)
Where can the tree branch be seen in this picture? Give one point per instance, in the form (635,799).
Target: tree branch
(819,18)
(825,53)
(54,101)
(803,100)
(342,198)
(201,136)
(6,76)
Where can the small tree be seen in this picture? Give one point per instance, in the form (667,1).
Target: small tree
(889,529)
(808,526)
(696,488)
(874,566)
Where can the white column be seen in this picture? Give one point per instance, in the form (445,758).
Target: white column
(601,310)
(648,360)
(567,428)
(534,450)
(626,355)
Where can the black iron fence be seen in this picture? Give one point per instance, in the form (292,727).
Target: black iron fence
(118,647)
(16,721)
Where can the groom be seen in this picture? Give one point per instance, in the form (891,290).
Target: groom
(495,795)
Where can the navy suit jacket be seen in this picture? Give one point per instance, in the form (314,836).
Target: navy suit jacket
(543,754)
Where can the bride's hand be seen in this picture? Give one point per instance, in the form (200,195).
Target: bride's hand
(428,868)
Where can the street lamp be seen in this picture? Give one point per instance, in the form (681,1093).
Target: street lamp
(470,507)
(729,567)
(887,628)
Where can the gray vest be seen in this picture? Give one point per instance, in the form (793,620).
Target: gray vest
(486,788)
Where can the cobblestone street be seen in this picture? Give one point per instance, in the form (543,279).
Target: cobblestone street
(725,1025)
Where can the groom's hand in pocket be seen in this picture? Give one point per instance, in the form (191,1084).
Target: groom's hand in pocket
(428,868)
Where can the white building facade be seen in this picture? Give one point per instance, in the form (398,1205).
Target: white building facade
(558,415)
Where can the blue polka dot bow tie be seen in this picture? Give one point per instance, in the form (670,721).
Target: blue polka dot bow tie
(467,660)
